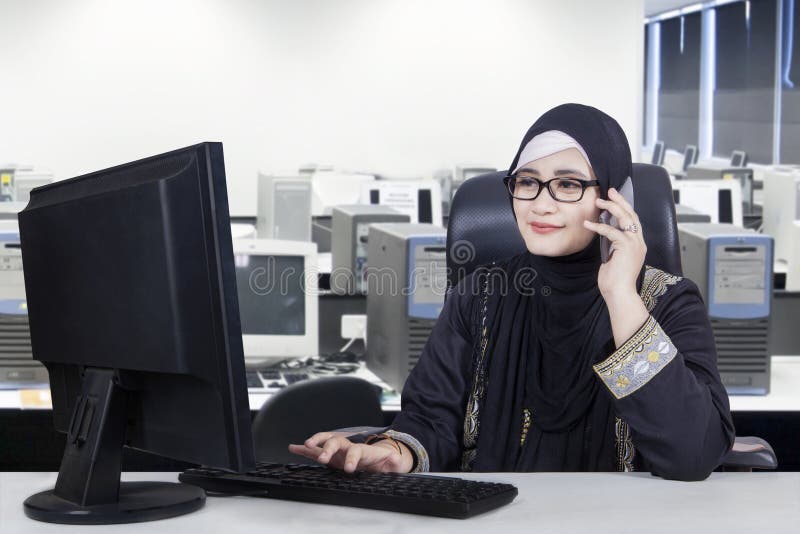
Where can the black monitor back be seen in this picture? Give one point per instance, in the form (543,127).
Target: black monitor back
(131,269)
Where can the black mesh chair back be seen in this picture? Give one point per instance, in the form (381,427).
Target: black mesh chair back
(304,408)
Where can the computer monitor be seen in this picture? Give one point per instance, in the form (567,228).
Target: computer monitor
(331,188)
(739,158)
(276,283)
(689,156)
(793,271)
(284,207)
(463,173)
(710,170)
(658,153)
(131,288)
(721,200)
(781,208)
(421,200)
(451,179)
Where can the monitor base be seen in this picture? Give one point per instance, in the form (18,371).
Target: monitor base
(138,502)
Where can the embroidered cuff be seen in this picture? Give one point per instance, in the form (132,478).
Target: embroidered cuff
(421,462)
(637,361)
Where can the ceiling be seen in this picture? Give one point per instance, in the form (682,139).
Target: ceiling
(654,7)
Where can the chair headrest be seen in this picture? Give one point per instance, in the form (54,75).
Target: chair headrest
(482,227)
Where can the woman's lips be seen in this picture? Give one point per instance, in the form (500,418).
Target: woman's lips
(543,228)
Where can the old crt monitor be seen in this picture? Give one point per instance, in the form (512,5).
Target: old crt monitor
(421,200)
(721,200)
(284,207)
(739,158)
(793,270)
(131,290)
(349,244)
(406,283)
(712,171)
(732,267)
(781,208)
(689,156)
(276,283)
(331,188)
(658,153)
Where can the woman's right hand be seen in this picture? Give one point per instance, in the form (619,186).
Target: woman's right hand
(335,450)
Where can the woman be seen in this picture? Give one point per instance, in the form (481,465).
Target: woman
(553,360)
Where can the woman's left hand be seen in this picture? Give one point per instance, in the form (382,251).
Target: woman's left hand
(617,277)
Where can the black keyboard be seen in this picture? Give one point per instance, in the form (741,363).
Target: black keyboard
(253,380)
(415,494)
(291,378)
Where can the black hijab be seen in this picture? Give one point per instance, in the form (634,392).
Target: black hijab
(547,331)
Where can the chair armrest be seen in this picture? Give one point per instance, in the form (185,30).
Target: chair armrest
(748,453)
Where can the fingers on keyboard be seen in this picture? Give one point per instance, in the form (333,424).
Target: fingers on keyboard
(318,439)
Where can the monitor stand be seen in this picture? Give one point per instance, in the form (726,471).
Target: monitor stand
(88,490)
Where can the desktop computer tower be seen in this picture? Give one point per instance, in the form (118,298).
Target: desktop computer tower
(406,284)
(18,369)
(732,267)
(349,237)
(284,207)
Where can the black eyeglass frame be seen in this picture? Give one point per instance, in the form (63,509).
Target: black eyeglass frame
(546,185)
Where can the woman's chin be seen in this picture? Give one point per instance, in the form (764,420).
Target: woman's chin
(550,251)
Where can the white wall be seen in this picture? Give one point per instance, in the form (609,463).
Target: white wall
(401,87)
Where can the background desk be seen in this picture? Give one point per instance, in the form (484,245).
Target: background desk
(28,441)
(547,502)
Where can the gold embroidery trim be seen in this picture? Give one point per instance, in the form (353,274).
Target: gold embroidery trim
(637,361)
(625,449)
(526,425)
(472,416)
(655,285)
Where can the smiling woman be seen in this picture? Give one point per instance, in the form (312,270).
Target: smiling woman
(563,362)
(558,215)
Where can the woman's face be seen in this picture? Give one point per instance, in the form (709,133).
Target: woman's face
(552,228)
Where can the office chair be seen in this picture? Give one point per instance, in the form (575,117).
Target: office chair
(300,410)
(482,228)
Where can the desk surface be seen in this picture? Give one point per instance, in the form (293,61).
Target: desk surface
(547,502)
(784,393)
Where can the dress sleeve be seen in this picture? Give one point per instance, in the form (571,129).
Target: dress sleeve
(435,393)
(667,388)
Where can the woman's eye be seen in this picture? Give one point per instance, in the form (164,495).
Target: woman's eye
(569,184)
(525,182)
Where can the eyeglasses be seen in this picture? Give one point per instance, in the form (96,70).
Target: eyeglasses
(565,189)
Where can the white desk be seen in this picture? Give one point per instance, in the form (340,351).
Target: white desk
(784,393)
(548,502)
(390,403)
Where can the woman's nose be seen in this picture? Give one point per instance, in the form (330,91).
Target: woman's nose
(544,203)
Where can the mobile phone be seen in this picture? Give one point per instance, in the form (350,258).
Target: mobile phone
(606,247)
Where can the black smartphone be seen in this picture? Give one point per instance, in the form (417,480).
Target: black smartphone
(606,247)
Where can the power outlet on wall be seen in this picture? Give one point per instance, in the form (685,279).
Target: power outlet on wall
(354,327)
